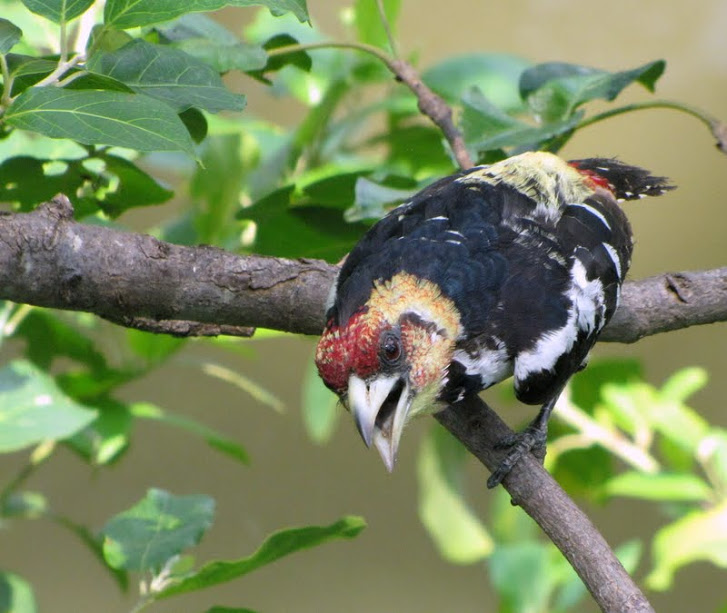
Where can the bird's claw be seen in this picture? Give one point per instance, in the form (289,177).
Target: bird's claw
(530,440)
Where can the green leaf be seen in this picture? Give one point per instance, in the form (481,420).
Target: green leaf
(555,89)
(659,487)
(300,231)
(228,610)
(459,535)
(216,187)
(214,439)
(515,565)
(528,137)
(276,546)
(700,535)
(24,180)
(684,383)
(369,27)
(132,187)
(319,406)
(100,118)
(155,529)
(131,13)
(94,544)
(107,438)
(196,124)
(59,11)
(16,595)
(299,59)
(374,200)
(9,35)
(494,74)
(167,74)
(482,119)
(585,386)
(25,505)
(33,409)
(154,349)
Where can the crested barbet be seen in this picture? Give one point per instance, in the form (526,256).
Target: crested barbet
(504,270)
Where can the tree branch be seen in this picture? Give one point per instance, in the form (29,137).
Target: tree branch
(47,259)
(479,428)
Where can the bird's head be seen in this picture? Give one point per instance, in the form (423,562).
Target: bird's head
(389,360)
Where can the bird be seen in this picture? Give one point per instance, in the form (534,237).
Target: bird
(510,269)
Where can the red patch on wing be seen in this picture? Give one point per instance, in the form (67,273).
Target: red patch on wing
(353,348)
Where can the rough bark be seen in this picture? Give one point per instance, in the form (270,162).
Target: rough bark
(47,259)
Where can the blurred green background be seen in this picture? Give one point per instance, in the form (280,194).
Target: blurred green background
(392,566)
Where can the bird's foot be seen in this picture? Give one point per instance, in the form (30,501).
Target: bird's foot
(530,440)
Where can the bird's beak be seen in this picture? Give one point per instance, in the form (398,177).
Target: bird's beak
(380,408)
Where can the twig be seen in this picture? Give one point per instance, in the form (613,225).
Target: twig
(718,128)
(430,104)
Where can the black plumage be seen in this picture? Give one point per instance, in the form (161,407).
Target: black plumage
(531,252)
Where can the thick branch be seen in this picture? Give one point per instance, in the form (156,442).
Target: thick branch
(532,488)
(49,260)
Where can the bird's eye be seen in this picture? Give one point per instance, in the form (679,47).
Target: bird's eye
(390,348)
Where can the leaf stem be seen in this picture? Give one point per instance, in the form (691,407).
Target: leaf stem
(718,129)
(61,69)
(5,99)
(612,440)
(364,48)
(387,28)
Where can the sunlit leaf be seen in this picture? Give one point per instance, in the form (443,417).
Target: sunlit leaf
(276,546)
(100,118)
(130,13)
(684,383)
(158,527)
(34,409)
(369,26)
(699,535)
(457,532)
(106,439)
(16,594)
(25,505)
(659,487)
(58,11)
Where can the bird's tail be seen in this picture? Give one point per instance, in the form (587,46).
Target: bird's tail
(625,181)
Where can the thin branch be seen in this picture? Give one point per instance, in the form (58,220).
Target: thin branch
(430,104)
(718,128)
(532,488)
